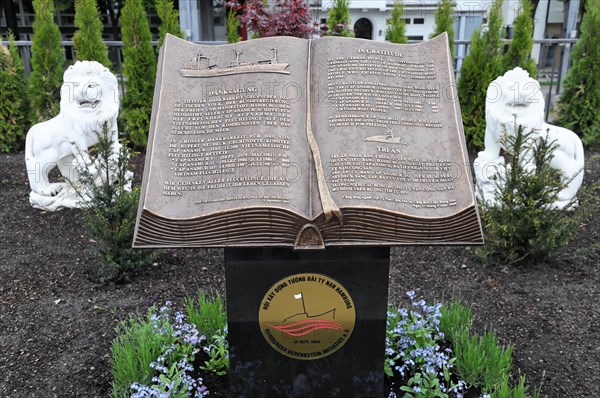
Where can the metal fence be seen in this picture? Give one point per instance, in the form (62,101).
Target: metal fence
(551,65)
(114,52)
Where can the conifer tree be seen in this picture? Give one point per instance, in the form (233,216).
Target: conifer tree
(519,51)
(338,19)
(87,40)
(579,104)
(139,68)
(396,29)
(233,26)
(169,20)
(13,101)
(47,63)
(21,84)
(480,67)
(16,57)
(444,22)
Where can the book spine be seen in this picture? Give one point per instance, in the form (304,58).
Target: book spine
(330,208)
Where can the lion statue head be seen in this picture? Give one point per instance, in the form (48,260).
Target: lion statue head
(90,90)
(515,96)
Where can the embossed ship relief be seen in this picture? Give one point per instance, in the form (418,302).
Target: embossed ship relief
(200,66)
(388,139)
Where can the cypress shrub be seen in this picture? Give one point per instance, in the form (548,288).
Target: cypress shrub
(480,67)
(233,26)
(13,105)
(396,29)
(47,63)
(524,224)
(109,208)
(579,104)
(519,51)
(444,22)
(22,84)
(338,19)
(87,40)
(169,20)
(139,68)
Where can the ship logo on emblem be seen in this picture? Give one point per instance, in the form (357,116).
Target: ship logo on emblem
(307,316)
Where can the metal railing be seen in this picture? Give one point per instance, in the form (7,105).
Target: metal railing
(550,64)
(549,60)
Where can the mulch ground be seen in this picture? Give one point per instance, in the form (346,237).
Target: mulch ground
(57,320)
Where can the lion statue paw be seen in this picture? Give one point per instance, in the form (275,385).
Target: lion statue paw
(89,98)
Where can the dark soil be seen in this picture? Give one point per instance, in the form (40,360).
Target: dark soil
(57,320)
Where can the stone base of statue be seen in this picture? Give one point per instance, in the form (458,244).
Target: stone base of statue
(307,324)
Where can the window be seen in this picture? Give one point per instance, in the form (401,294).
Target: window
(414,38)
(419,21)
(389,20)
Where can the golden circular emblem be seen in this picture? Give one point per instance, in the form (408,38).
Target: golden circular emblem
(307,316)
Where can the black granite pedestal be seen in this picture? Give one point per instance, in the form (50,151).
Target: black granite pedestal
(257,369)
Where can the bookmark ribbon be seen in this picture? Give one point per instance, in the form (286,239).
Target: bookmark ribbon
(329,207)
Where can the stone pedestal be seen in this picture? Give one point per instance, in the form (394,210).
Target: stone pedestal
(307,323)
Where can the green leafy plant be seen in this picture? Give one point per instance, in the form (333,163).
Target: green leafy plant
(338,19)
(519,51)
(156,354)
(504,390)
(233,26)
(396,26)
(139,68)
(47,63)
(414,353)
(207,312)
(134,348)
(218,352)
(170,371)
(87,40)
(524,223)
(580,99)
(13,101)
(169,20)
(480,67)
(444,22)
(455,320)
(481,360)
(110,208)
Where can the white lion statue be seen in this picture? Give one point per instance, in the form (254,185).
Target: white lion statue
(89,98)
(516,99)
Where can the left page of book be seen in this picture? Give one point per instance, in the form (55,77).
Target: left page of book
(228,133)
(229,129)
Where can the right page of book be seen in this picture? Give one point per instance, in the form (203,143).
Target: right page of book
(387,122)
